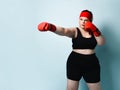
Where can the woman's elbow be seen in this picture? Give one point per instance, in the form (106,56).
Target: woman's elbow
(101,43)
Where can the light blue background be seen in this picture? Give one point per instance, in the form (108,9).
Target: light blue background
(32,60)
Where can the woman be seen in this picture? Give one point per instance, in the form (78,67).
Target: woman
(82,61)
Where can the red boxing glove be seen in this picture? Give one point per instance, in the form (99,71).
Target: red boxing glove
(45,26)
(92,28)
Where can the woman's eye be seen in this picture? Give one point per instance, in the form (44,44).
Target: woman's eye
(86,20)
(81,19)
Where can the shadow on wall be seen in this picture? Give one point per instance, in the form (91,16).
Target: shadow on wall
(107,55)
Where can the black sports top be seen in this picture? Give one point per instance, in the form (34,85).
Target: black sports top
(81,42)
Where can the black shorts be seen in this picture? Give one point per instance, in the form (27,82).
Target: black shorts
(86,66)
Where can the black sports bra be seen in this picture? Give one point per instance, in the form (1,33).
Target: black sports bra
(81,42)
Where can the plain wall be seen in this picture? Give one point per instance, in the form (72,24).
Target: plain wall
(33,60)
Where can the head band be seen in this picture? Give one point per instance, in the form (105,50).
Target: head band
(86,14)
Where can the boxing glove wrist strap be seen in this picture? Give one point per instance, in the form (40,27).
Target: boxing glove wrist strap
(97,33)
(52,28)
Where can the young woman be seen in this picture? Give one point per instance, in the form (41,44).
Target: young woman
(82,61)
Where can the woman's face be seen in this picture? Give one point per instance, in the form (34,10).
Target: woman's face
(82,21)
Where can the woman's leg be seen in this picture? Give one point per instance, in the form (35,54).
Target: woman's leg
(94,86)
(72,85)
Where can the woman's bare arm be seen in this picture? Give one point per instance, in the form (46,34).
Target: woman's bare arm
(69,32)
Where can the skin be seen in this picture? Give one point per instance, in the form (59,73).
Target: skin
(72,33)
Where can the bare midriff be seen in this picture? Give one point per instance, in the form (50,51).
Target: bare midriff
(84,51)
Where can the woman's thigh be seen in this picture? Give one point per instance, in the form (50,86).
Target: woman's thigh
(94,86)
(72,85)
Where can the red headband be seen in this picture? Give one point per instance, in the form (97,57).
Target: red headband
(86,14)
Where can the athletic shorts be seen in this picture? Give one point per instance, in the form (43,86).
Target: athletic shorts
(86,66)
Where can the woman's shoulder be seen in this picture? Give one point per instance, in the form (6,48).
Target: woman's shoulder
(73,31)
